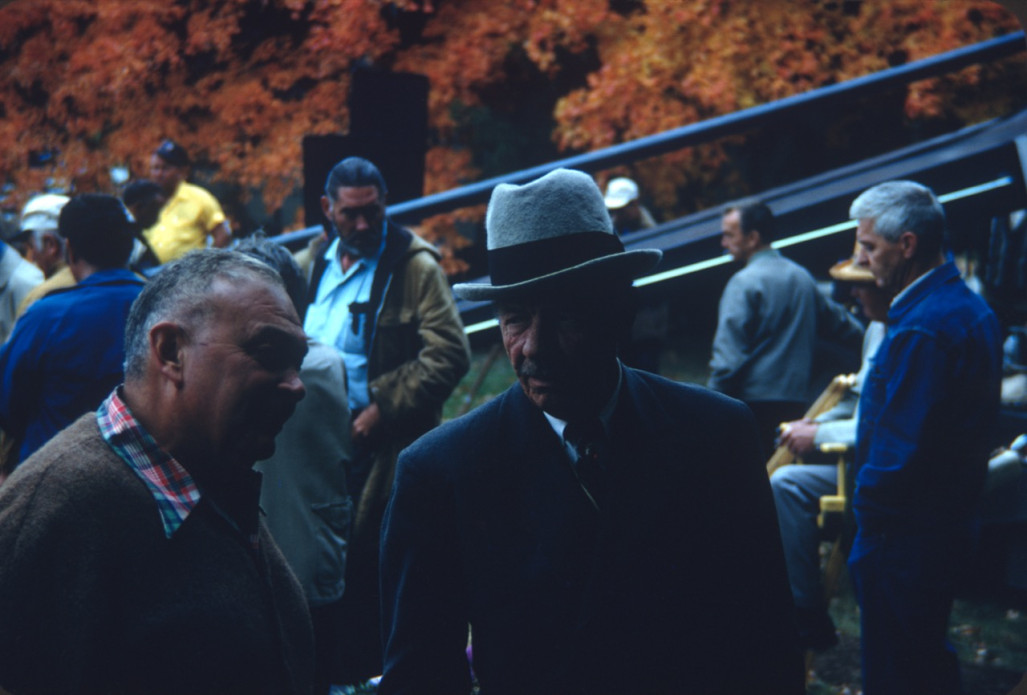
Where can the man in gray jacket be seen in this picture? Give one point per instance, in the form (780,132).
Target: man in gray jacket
(770,316)
(304,492)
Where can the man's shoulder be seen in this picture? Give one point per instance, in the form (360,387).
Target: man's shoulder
(93,291)
(659,402)
(58,281)
(780,268)
(411,252)
(323,364)
(192,192)
(949,304)
(75,463)
(16,274)
(321,357)
(674,399)
(481,427)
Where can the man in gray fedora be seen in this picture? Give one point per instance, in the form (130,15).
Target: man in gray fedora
(598,528)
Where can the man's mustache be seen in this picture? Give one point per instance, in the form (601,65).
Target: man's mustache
(532,369)
(358,247)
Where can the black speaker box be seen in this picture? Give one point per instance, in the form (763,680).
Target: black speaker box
(388,126)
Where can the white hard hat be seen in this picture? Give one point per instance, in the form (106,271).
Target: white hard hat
(620,192)
(42,212)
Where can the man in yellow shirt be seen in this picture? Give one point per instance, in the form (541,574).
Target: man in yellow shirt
(191,214)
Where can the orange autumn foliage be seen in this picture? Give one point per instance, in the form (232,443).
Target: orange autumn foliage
(102,82)
(240,82)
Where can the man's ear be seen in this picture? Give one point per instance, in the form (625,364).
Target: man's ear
(167,347)
(326,207)
(908,243)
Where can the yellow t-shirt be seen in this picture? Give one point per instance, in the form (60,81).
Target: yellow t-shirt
(185,222)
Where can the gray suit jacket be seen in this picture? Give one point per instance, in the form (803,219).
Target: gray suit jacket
(304,491)
(770,316)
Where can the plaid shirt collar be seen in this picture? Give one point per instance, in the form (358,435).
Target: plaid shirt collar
(170,484)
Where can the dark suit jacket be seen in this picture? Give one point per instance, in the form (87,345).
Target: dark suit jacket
(679,588)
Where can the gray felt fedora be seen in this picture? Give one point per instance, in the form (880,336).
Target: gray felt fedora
(553,235)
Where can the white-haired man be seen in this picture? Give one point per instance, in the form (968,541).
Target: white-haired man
(922,442)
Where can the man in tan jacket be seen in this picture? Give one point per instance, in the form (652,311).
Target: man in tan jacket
(379,296)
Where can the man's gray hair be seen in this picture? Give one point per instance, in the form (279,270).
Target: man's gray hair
(900,206)
(182,292)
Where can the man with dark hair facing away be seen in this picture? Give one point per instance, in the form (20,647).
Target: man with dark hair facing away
(599,528)
(144,199)
(770,316)
(67,351)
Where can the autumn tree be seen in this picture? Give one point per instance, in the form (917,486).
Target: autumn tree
(237,82)
(89,84)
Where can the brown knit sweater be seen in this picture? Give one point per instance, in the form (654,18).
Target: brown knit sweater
(95,599)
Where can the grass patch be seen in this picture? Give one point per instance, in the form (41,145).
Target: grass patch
(490,374)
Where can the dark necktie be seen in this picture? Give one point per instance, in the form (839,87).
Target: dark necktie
(589,441)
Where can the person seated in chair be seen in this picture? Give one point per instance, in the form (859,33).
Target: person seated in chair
(798,487)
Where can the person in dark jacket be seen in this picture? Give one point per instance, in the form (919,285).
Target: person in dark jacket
(598,528)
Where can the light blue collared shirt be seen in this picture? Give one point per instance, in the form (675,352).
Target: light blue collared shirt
(329,319)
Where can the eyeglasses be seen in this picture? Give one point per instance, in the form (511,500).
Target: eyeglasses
(369,212)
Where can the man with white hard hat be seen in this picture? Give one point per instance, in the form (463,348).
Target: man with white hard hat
(44,246)
(649,332)
(627,213)
(17,278)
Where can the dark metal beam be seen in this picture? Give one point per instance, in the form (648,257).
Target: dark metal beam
(720,126)
(704,131)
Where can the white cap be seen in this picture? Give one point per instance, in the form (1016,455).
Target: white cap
(42,212)
(620,192)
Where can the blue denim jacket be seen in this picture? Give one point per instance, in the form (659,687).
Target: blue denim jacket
(927,408)
(64,356)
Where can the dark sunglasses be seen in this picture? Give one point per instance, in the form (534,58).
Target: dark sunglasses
(368,212)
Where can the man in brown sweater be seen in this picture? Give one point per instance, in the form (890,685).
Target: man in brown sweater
(133,556)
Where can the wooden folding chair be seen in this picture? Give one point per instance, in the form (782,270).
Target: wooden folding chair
(834,509)
(833,519)
(828,399)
